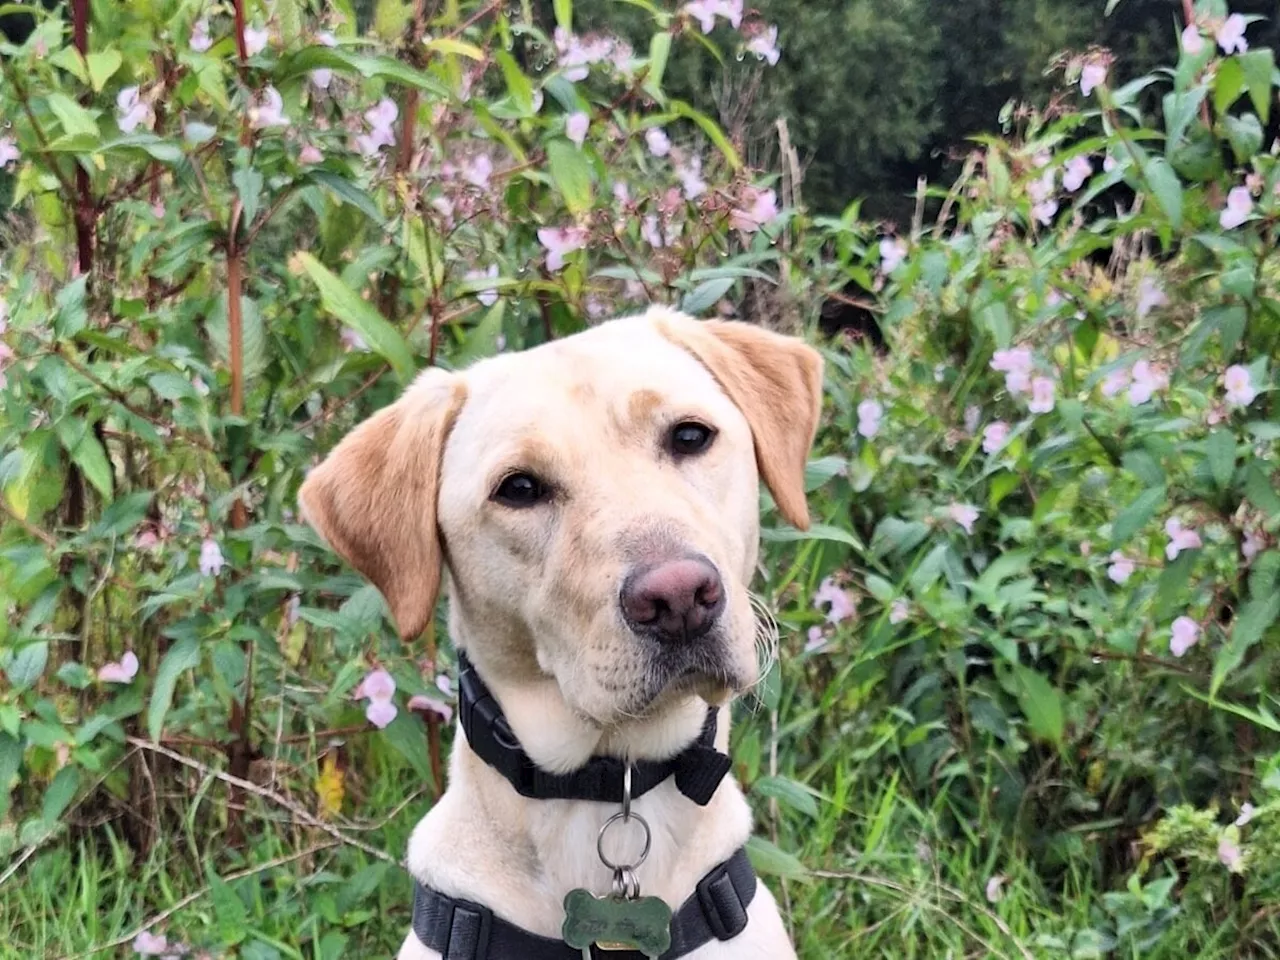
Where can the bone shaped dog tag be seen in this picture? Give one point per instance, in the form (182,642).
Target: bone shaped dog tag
(616,923)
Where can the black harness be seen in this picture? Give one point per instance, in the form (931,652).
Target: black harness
(462,930)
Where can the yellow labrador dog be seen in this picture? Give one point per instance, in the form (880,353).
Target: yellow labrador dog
(595,502)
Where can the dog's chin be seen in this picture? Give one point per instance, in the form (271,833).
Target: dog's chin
(668,683)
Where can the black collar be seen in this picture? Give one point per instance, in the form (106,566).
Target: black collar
(462,930)
(698,769)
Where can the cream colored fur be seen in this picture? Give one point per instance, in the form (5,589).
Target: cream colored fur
(534,592)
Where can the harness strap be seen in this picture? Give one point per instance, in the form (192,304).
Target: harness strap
(462,930)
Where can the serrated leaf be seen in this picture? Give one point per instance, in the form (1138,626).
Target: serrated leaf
(1220,450)
(182,656)
(26,665)
(1249,626)
(1260,491)
(1166,187)
(229,909)
(10,760)
(74,118)
(345,304)
(1136,515)
(87,452)
(60,794)
(705,295)
(1041,704)
(345,190)
(248,183)
(571,173)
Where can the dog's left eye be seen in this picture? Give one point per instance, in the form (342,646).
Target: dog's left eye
(521,490)
(690,437)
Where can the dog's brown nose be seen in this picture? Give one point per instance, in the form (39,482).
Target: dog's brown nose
(675,600)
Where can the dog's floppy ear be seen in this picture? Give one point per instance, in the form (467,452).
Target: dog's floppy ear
(374,497)
(776,381)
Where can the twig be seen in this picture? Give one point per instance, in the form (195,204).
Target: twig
(32,530)
(193,897)
(325,414)
(303,815)
(41,139)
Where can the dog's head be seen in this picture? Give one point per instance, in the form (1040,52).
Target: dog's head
(594,499)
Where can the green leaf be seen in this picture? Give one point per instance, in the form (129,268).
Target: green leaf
(74,118)
(1041,704)
(253,335)
(345,304)
(344,189)
(459,47)
(1166,187)
(228,908)
(659,52)
(1258,488)
(518,84)
(406,736)
(60,794)
(1250,624)
(711,129)
(705,295)
(1228,84)
(788,793)
(1256,68)
(571,173)
(1245,134)
(1136,515)
(122,515)
(248,182)
(482,340)
(1220,449)
(10,760)
(817,531)
(771,860)
(102,67)
(182,656)
(87,453)
(26,664)
(564,14)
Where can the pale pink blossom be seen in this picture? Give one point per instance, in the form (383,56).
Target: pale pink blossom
(421,703)
(1240,391)
(1147,378)
(211,559)
(1183,635)
(758,208)
(1086,548)
(1251,545)
(622,193)
(995,888)
(1180,538)
(381,119)
(650,233)
(378,687)
(575,127)
(1079,169)
(1044,212)
(1239,206)
(147,944)
(1150,296)
(488,296)
(764,44)
(690,175)
(577,54)
(815,639)
(8,152)
(899,610)
(840,603)
(380,713)
(1230,34)
(892,252)
(972,414)
(310,154)
(146,540)
(561,241)
(269,111)
(1121,568)
(478,170)
(122,671)
(1016,365)
(255,40)
(1246,814)
(351,340)
(1192,40)
(1115,381)
(1230,855)
(1109,164)
(132,111)
(444,684)
(200,39)
(658,142)
(731,10)
(1041,189)
(704,11)
(323,76)
(1043,391)
(964,514)
(995,436)
(869,415)
(1092,76)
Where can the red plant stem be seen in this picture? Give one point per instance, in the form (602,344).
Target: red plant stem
(86,212)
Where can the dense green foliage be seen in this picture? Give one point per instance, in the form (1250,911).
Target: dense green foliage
(1024,704)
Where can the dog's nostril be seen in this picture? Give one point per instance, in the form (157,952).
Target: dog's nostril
(675,600)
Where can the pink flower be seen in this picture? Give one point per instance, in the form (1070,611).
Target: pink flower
(1121,568)
(964,514)
(1108,163)
(1079,169)
(380,713)
(1150,296)
(123,671)
(1240,391)
(561,241)
(323,76)
(764,44)
(1183,635)
(1192,41)
(869,414)
(1044,212)
(840,605)
(1042,395)
(1239,206)
(131,111)
(995,436)
(478,170)
(269,111)
(658,142)
(892,252)
(381,119)
(577,54)
(1180,538)
(1147,379)
(1115,381)
(211,559)
(200,39)
(8,152)
(255,40)
(815,640)
(1092,76)
(690,176)
(147,944)
(995,889)
(1230,34)
(704,11)
(379,687)
(1042,189)
(972,414)
(310,154)
(1246,814)
(1015,364)
(758,208)
(575,127)
(488,296)
(444,684)
(351,340)
(899,610)
(650,233)
(421,703)
(1252,545)
(1230,855)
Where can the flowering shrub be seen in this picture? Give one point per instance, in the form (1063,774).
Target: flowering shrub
(1042,588)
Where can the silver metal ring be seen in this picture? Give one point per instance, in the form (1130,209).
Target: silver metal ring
(648,840)
(626,792)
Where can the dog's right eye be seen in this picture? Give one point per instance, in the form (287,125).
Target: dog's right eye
(520,490)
